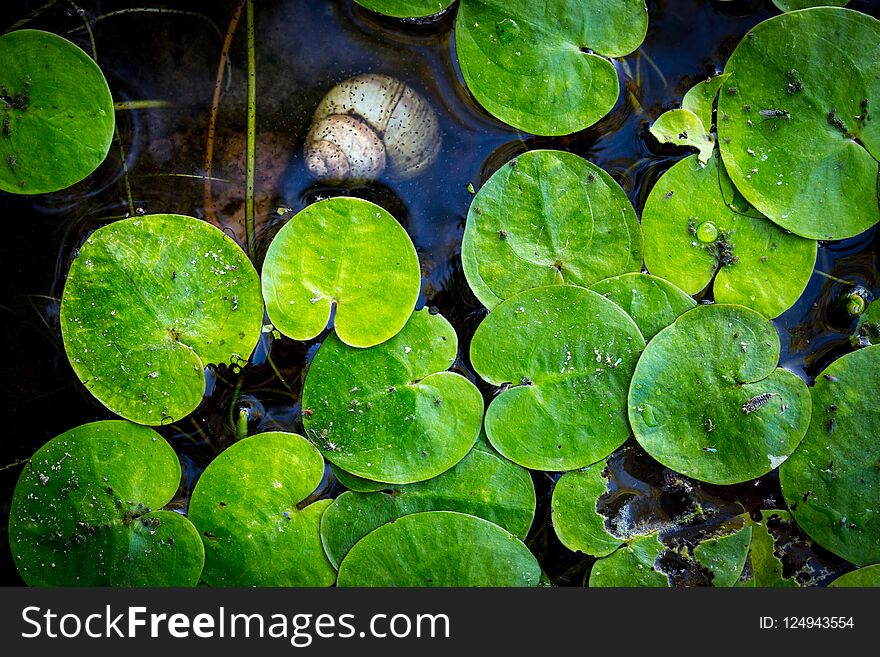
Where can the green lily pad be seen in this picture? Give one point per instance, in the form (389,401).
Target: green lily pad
(681,127)
(344,253)
(86,512)
(765,570)
(392,413)
(867,331)
(725,556)
(631,566)
(405,8)
(794,5)
(564,356)
(482,484)
(150,302)
(832,482)
(652,302)
(57,113)
(806,87)
(708,401)
(439,548)
(576,521)
(548,218)
(246,506)
(865,577)
(701,97)
(696,229)
(541,66)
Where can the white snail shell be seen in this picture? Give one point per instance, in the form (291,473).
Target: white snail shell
(369,122)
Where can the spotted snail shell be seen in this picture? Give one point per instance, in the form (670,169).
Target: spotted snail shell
(369,122)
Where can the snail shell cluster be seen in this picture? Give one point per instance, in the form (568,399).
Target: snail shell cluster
(370,122)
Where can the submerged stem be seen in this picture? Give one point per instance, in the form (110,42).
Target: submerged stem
(141,104)
(210,215)
(249,225)
(116,136)
(833,278)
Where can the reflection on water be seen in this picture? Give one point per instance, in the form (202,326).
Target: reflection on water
(303,49)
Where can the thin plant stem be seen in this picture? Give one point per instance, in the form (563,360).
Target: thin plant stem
(14,464)
(833,278)
(116,136)
(124,105)
(210,215)
(249,224)
(31,16)
(654,66)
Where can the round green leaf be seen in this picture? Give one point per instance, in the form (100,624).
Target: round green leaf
(150,302)
(348,254)
(392,413)
(794,5)
(694,227)
(632,565)
(576,521)
(868,576)
(548,218)
(652,302)
(708,401)
(832,482)
(405,8)
(701,97)
(439,548)
(681,127)
(482,484)
(541,66)
(56,113)
(725,556)
(85,512)
(564,356)
(246,506)
(805,87)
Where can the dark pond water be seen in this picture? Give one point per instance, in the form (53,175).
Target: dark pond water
(303,48)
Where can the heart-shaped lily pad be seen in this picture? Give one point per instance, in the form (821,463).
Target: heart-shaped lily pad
(794,5)
(631,565)
(564,356)
(548,218)
(797,133)
(708,401)
(868,576)
(682,127)
(695,229)
(246,506)
(392,413)
(832,482)
(344,253)
(148,304)
(56,113)
(86,512)
(405,8)
(439,548)
(576,521)
(541,65)
(481,484)
(701,97)
(652,302)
